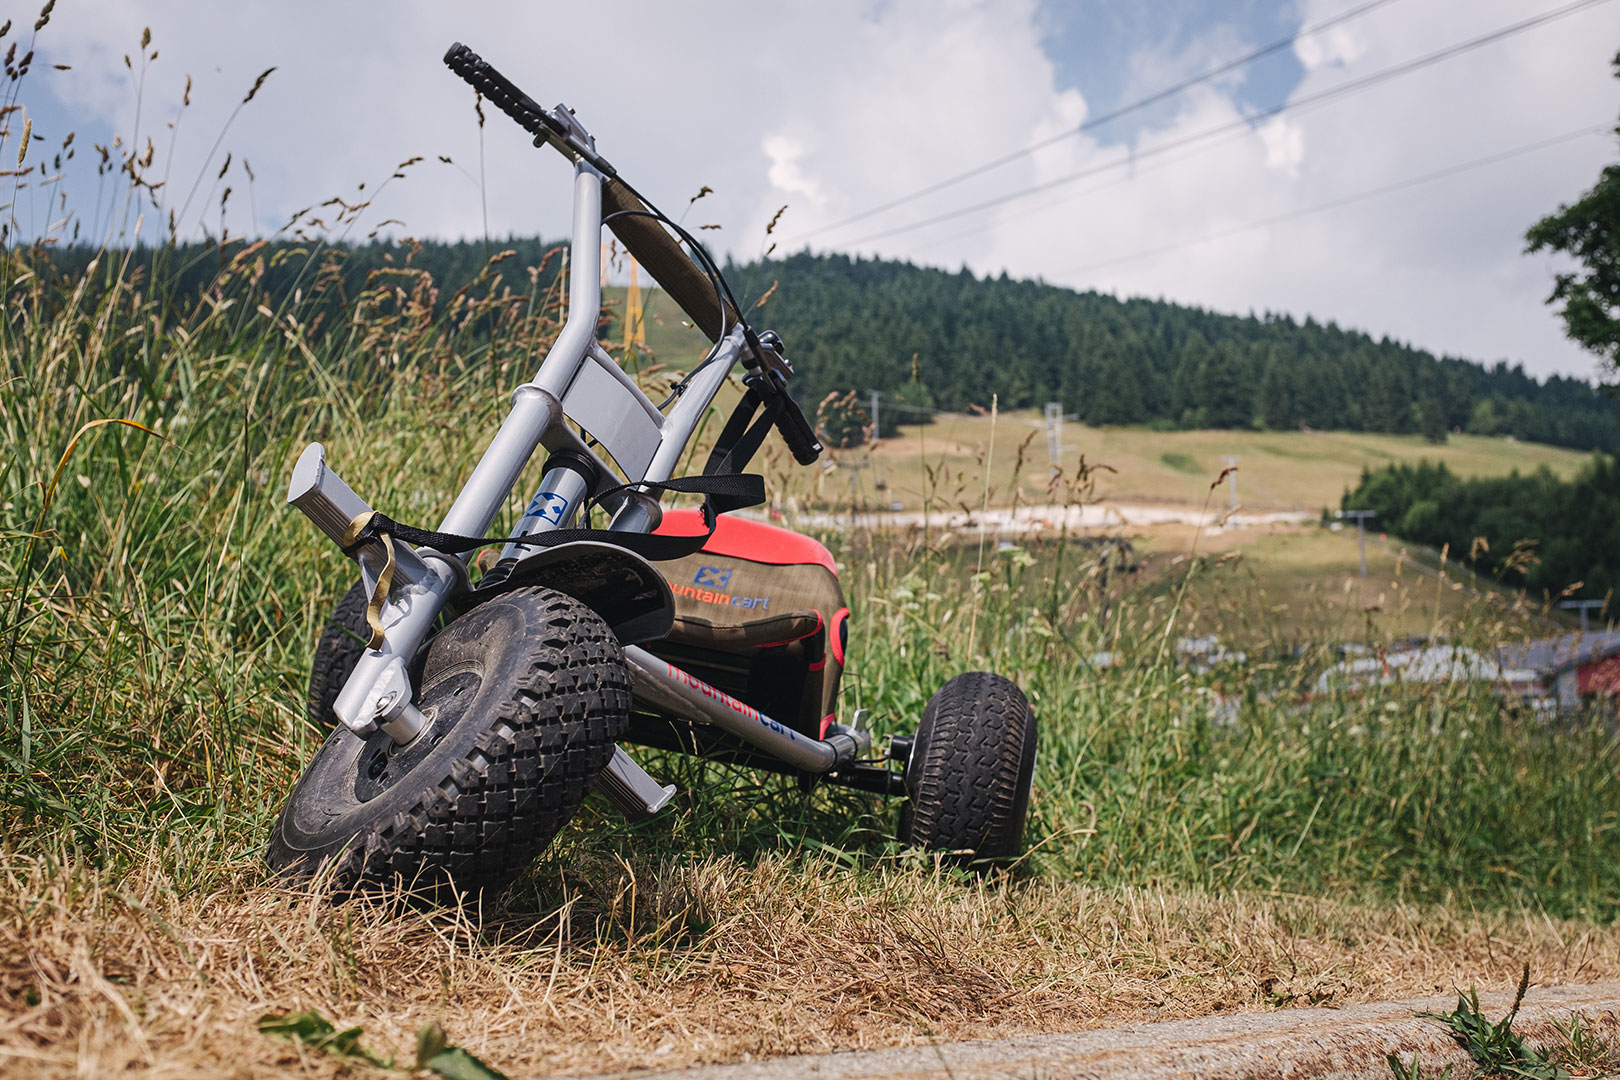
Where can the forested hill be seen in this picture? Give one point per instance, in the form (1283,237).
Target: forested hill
(857,324)
(935,339)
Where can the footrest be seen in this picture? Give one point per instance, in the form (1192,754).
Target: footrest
(628,787)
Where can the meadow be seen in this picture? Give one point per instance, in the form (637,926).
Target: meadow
(1273,587)
(949,458)
(1197,842)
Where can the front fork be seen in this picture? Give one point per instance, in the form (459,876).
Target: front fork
(378,692)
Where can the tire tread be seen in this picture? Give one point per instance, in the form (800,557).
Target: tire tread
(495,807)
(968,778)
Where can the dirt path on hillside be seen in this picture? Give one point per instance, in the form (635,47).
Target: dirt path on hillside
(1048,518)
(1322,1044)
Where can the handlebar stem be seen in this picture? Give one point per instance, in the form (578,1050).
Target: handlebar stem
(584,276)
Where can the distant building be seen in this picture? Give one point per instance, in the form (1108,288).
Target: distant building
(1432,664)
(1573,667)
(1204,654)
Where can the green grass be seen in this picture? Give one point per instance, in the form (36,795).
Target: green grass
(1495,1047)
(1182,463)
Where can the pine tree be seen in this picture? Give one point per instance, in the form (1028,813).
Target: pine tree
(1225,388)
(1186,398)
(1278,409)
(1432,419)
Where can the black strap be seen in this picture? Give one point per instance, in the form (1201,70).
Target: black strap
(721,495)
(739,439)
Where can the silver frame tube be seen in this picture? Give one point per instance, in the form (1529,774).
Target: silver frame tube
(667,688)
(689,408)
(584,285)
(372,697)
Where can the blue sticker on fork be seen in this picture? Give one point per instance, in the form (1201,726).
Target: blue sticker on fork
(548,506)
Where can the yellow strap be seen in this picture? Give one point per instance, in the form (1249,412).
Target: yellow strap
(384,580)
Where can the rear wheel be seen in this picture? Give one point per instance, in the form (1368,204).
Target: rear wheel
(525,696)
(970,769)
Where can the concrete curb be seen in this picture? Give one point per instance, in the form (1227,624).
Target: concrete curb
(1321,1044)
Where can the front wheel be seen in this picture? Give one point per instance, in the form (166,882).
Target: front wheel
(525,696)
(970,769)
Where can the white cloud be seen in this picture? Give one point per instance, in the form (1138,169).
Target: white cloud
(1335,45)
(785,174)
(1285,146)
(842,105)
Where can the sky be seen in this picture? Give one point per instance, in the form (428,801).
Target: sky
(1396,206)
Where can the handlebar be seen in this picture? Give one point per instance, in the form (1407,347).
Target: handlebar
(641,234)
(768,374)
(798,434)
(639,230)
(501,91)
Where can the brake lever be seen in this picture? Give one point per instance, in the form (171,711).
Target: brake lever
(768,376)
(765,357)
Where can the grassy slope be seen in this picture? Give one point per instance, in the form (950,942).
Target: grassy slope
(1275,587)
(1276,469)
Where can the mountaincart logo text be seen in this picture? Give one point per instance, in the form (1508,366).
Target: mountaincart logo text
(708,587)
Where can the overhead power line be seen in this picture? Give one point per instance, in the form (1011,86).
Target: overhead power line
(1098,121)
(1040,208)
(1346,200)
(1353,86)
(1046,207)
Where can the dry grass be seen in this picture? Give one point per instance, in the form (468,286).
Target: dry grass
(670,963)
(1277,470)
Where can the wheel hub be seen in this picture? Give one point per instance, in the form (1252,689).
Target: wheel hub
(444,702)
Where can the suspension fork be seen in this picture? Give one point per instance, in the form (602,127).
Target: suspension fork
(378,693)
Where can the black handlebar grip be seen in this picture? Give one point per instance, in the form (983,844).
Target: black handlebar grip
(797,433)
(499,90)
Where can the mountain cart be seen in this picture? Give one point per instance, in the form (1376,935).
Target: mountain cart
(471,717)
